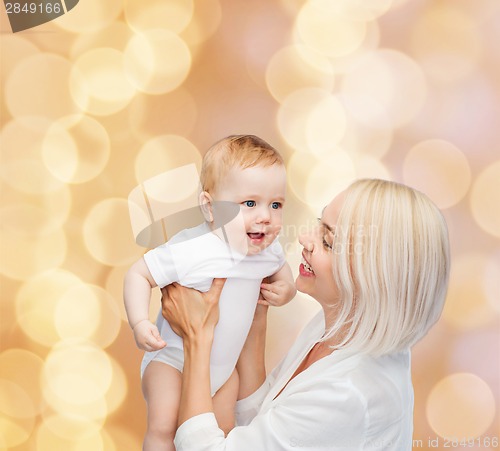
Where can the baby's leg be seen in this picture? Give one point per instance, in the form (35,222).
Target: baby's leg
(224,402)
(161,385)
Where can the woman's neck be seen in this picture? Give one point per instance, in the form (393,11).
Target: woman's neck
(331,313)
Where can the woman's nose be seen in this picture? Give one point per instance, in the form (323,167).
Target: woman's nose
(306,240)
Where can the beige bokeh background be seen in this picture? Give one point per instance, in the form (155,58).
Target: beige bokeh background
(116,92)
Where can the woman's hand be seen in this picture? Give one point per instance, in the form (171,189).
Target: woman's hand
(190,312)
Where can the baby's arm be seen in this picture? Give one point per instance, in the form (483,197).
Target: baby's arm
(280,288)
(137,294)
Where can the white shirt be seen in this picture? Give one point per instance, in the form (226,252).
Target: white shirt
(341,402)
(194,257)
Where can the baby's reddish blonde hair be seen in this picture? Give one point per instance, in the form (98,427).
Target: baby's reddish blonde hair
(244,151)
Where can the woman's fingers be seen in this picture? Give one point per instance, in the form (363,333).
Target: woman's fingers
(213,294)
(189,311)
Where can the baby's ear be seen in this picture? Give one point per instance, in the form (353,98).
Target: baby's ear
(206,201)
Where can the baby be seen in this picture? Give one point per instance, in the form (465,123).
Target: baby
(243,184)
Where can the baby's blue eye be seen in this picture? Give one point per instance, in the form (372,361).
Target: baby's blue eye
(249,203)
(276,205)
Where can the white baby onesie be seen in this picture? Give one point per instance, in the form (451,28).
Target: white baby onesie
(193,258)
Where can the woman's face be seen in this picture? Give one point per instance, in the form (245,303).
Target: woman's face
(315,272)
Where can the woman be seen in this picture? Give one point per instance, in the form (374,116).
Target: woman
(378,264)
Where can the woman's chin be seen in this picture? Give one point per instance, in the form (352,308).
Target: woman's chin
(303,285)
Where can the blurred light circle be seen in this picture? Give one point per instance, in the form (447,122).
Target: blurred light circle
(117,392)
(47,439)
(204,23)
(367,111)
(30,255)
(163,153)
(298,168)
(328,31)
(370,167)
(108,442)
(108,235)
(34,215)
(295,67)
(37,300)
(23,368)
(460,406)
(354,9)
(294,113)
(91,16)
(14,49)
(96,410)
(77,314)
(391,79)
(88,311)
(124,439)
(174,15)
(366,140)
(76,152)
(466,304)
(398,3)
(325,126)
(115,36)
(478,349)
(110,317)
(174,112)
(71,427)
(25,170)
(485,199)
(98,82)
(316,181)
(15,402)
(77,372)
(12,433)
(440,170)
(491,280)
(447,43)
(257,48)
(38,86)
(344,64)
(16,414)
(114,286)
(157,61)
(329,177)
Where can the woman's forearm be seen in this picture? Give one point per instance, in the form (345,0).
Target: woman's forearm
(195,392)
(251,364)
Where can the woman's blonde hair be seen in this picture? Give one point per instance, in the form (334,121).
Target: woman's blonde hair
(391,263)
(242,151)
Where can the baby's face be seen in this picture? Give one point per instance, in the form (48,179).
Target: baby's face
(260,192)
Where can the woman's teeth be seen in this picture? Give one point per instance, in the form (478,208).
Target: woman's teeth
(307,267)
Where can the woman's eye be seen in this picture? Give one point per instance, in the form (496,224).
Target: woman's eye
(276,205)
(327,245)
(249,203)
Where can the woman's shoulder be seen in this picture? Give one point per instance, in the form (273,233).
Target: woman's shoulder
(381,384)
(385,385)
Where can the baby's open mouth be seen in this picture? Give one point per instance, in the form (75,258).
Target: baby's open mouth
(256,235)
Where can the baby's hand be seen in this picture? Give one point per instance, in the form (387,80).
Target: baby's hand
(147,336)
(277,293)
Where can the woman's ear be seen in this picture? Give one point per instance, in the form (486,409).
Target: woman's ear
(206,204)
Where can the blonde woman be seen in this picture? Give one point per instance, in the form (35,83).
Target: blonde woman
(378,264)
